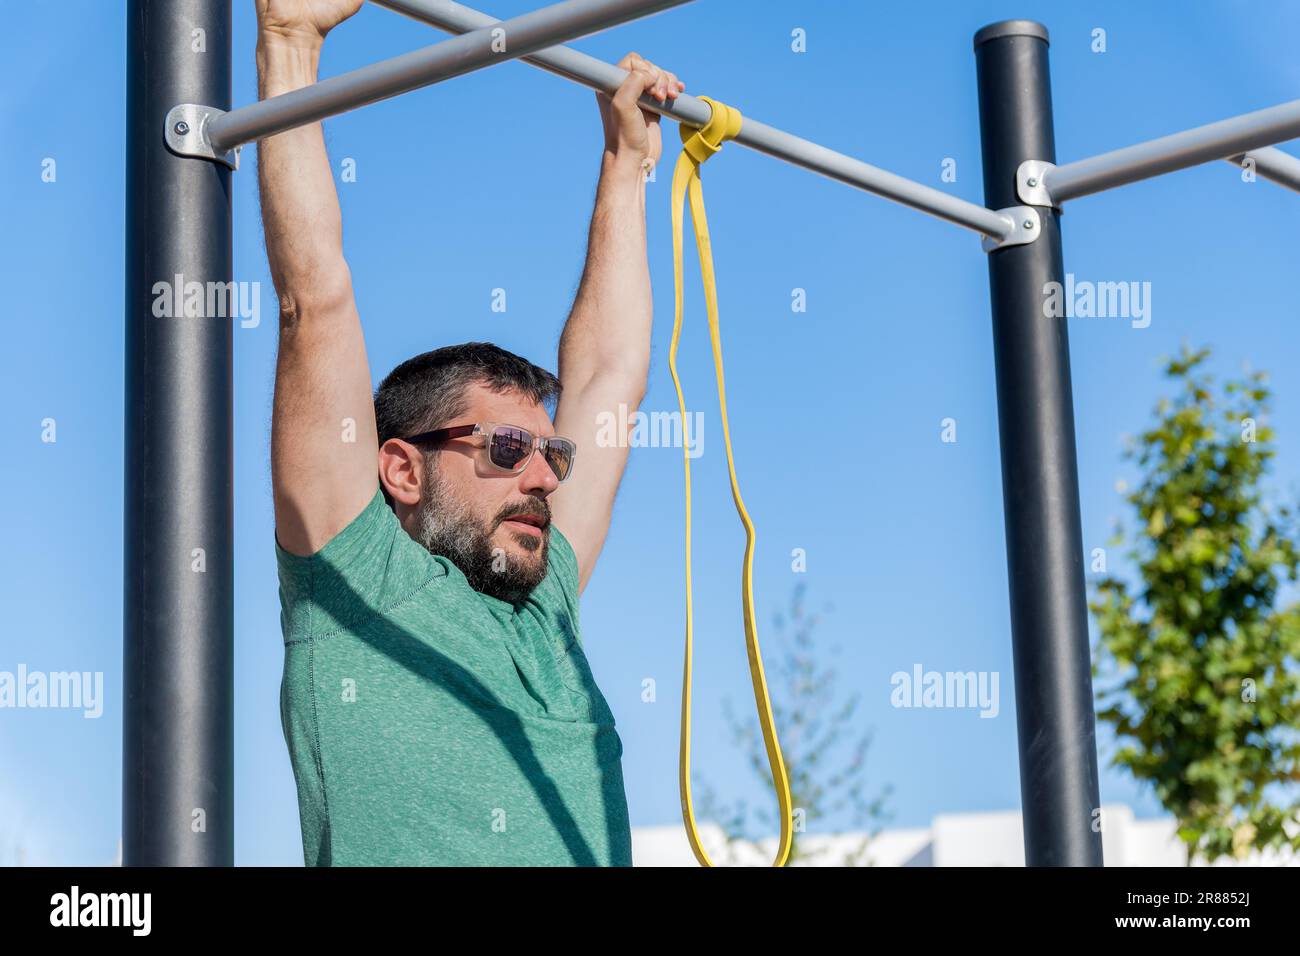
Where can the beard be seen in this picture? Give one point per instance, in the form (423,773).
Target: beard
(448,527)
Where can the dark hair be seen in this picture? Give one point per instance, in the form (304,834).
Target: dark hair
(430,390)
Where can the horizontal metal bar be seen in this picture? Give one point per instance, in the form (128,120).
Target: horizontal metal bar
(1191,147)
(599,75)
(442,61)
(1271,163)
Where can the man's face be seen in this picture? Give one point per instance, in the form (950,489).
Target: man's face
(470,511)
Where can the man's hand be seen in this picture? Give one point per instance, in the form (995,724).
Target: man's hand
(632,134)
(301,23)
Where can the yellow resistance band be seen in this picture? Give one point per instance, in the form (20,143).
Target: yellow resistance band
(699,145)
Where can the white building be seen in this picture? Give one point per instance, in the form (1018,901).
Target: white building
(952,839)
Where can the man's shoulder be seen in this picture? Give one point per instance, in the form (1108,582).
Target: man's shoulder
(562,563)
(371,564)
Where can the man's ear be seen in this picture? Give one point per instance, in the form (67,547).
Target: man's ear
(401,471)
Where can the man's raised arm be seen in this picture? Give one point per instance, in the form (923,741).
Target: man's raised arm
(605,347)
(324,457)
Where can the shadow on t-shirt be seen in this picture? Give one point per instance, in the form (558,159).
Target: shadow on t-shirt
(341,602)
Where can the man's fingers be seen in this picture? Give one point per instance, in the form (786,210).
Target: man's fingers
(661,84)
(630,61)
(637,82)
(667,84)
(646,77)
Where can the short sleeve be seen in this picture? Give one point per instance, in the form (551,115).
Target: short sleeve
(559,590)
(371,565)
(564,563)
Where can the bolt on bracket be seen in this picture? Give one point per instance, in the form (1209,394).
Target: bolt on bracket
(1025,227)
(186,133)
(1029,183)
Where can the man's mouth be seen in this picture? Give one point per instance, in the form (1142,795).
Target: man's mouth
(528,524)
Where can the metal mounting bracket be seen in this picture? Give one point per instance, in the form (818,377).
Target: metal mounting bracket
(1029,183)
(1026,225)
(186,133)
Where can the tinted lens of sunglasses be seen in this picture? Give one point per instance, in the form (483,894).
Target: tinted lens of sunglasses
(509,447)
(559,454)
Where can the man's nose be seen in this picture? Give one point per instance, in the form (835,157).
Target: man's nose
(539,475)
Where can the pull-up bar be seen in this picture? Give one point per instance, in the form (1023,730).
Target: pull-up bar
(1005,227)
(1222,140)
(218,134)
(1272,163)
(197,130)
(605,77)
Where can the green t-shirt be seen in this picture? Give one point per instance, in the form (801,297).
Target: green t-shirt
(432,724)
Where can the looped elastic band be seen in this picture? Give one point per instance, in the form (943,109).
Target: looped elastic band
(697,146)
(724,124)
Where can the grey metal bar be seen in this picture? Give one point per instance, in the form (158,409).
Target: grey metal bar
(442,61)
(1191,147)
(599,75)
(1271,163)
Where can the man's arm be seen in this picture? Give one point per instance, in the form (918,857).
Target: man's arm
(322,378)
(605,347)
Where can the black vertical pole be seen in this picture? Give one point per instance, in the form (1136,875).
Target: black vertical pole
(178,622)
(1040,483)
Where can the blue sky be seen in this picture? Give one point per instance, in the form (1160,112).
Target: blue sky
(488,182)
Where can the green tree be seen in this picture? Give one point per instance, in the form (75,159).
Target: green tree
(1197,667)
(826,762)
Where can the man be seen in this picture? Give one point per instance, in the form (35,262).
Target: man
(436,702)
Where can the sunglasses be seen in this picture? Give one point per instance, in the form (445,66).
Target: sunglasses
(510,448)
